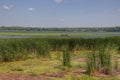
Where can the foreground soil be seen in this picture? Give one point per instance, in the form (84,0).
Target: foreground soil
(20,77)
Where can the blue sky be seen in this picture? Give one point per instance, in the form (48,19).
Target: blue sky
(60,13)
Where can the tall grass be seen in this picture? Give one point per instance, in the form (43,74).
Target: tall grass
(92,63)
(105,59)
(80,43)
(19,49)
(100,61)
(66,58)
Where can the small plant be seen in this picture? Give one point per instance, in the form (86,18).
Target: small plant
(17,69)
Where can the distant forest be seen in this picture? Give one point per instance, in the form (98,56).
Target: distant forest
(36,29)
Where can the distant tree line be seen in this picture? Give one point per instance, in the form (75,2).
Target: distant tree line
(39,29)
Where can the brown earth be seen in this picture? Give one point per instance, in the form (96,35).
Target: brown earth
(54,74)
(20,77)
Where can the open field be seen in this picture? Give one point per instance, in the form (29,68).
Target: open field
(58,34)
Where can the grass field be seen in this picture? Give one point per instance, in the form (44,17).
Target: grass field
(60,34)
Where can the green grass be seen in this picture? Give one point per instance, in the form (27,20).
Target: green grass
(29,66)
(83,34)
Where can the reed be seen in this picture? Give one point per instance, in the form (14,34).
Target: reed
(19,49)
(66,58)
(100,61)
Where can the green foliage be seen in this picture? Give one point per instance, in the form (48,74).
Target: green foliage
(105,59)
(42,48)
(100,60)
(92,62)
(19,49)
(66,58)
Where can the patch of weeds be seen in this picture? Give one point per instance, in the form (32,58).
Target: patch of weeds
(33,74)
(17,69)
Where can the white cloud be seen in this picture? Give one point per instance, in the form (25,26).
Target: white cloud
(31,9)
(58,1)
(7,7)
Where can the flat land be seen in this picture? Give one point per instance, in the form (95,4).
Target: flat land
(58,34)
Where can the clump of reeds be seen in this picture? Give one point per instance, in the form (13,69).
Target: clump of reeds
(66,58)
(92,62)
(100,61)
(20,49)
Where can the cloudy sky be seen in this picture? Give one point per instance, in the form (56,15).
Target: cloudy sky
(60,13)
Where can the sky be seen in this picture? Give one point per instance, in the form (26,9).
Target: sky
(60,13)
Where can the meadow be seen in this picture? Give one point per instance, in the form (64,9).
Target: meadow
(57,34)
(62,58)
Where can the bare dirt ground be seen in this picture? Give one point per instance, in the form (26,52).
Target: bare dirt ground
(20,77)
(55,74)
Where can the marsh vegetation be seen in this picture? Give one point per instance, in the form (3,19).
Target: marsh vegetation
(62,58)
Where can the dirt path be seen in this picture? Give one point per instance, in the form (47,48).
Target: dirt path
(20,77)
